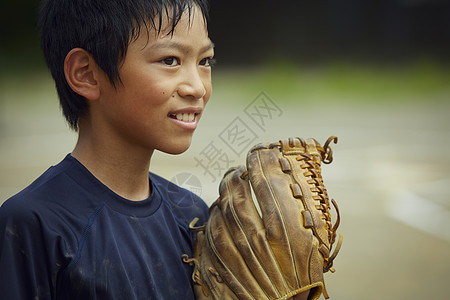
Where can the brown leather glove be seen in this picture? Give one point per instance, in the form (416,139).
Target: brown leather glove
(280,247)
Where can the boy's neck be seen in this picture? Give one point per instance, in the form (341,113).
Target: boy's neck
(124,171)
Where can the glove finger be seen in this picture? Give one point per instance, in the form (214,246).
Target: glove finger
(291,243)
(249,233)
(227,260)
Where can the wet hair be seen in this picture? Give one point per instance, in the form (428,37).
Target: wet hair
(104,28)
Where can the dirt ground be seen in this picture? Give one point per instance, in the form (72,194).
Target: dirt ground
(390,177)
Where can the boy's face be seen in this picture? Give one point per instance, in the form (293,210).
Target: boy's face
(166,83)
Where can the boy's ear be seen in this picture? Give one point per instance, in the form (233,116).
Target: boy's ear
(82,73)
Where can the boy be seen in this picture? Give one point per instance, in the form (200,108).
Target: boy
(133,77)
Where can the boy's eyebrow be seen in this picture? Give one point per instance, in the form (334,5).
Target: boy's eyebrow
(179,46)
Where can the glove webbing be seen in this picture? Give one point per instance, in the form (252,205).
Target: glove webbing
(309,154)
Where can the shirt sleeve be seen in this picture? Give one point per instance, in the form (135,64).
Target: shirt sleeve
(28,256)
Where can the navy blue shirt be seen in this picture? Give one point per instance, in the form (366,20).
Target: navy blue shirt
(67,236)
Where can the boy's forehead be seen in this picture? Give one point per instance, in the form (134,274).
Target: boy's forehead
(164,24)
(183,47)
(167,34)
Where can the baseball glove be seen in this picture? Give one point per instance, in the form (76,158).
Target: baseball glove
(279,248)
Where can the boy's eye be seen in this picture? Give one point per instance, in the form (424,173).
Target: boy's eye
(207,62)
(170,61)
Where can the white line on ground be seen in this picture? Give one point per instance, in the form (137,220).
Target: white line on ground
(420,213)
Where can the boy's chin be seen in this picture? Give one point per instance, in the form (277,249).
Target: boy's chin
(176,149)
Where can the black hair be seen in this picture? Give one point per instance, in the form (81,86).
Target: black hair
(105,29)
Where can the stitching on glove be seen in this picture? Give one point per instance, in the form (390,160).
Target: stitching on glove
(310,154)
(214,272)
(327,157)
(196,277)
(194,228)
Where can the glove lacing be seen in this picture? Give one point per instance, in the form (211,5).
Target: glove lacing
(311,164)
(193,262)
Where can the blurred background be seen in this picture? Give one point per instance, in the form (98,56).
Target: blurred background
(375,73)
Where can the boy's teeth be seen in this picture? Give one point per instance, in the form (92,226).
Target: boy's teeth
(185,117)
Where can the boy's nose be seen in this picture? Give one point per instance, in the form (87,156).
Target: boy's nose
(193,85)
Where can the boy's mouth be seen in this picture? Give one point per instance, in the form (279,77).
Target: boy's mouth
(185,117)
